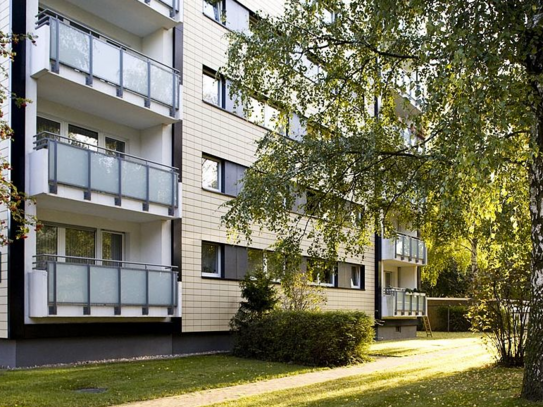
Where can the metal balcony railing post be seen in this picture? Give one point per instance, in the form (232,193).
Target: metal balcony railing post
(118,198)
(89,78)
(87,308)
(148,100)
(117,310)
(88,194)
(403,302)
(145,310)
(121,73)
(171,209)
(145,205)
(53,187)
(56,64)
(52,308)
(173,293)
(410,304)
(174,96)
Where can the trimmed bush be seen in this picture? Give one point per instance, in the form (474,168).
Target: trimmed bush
(458,321)
(307,337)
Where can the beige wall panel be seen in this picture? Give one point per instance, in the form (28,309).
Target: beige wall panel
(208,304)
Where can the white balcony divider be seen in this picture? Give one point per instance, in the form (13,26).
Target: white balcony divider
(405,303)
(100,57)
(97,169)
(96,282)
(410,247)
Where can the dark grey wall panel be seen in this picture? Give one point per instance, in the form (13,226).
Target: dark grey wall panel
(202,342)
(7,353)
(230,262)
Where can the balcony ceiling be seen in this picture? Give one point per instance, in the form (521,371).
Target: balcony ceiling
(88,208)
(85,98)
(131,15)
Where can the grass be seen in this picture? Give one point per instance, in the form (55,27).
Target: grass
(421,345)
(457,379)
(132,381)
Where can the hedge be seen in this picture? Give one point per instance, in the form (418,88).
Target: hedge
(310,338)
(458,321)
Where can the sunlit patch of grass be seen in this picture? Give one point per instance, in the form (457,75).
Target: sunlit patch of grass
(455,380)
(422,344)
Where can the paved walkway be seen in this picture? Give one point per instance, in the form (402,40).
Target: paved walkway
(207,397)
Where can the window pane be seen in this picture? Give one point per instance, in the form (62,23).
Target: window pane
(211,87)
(210,174)
(49,126)
(80,243)
(115,145)
(212,9)
(256,260)
(355,276)
(47,242)
(210,258)
(82,137)
(112,246)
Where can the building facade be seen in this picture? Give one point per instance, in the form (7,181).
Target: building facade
(129,148)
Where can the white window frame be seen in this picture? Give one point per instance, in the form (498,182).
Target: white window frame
(220,88)
(220,10)
(61,240)
(219,174)
(359,272)
(218,274)
(318,281)
(64,125)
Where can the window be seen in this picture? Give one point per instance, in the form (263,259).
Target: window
(79,242)
(115,145)
(79,136)
(82,137)
(47,126)
(211,173)
(213,9)
(255,260)
(211,260)
(313,202)
(228,13)
(388,279)
(355,277)
(321,273)
(212,89)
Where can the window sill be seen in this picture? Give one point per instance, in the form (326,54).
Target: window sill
(211,275)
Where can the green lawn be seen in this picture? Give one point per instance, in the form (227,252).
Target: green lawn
(423,344)
(132,381)
(468,380)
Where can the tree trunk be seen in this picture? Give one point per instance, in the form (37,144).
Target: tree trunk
(532,386)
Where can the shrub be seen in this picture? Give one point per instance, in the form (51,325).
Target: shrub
(457,316)
(307,337)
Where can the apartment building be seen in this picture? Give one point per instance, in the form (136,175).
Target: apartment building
(129,148)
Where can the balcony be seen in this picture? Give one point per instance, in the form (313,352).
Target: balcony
(64,286)
(102,77)
(83,174)
(401,303)
(140,17)
(404,250)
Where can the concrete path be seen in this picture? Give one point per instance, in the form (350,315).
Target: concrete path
(207,397)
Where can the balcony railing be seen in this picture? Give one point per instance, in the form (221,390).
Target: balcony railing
(410,247)
(403,303)
(92,168)
(91,282)
(98,56)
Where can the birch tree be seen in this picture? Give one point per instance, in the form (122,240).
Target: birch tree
(465,78)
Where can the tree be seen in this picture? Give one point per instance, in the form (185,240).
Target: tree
(466,78)
(10,196)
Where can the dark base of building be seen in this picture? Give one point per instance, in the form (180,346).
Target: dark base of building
(45,351)
(396,329)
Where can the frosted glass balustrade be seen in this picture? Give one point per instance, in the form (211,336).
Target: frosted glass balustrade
(112,174)
(112,62)
(68,283)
